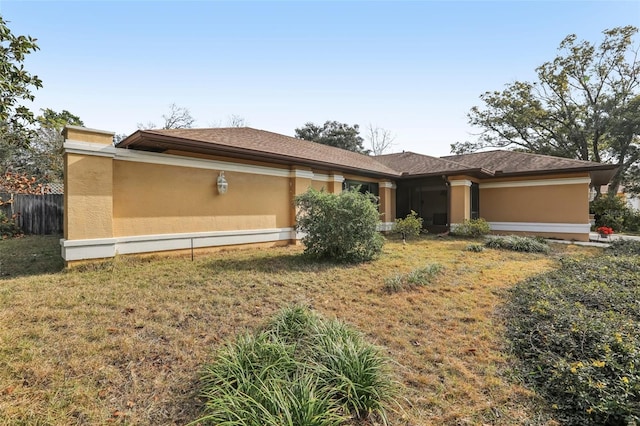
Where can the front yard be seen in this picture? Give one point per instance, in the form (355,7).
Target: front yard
(124,341)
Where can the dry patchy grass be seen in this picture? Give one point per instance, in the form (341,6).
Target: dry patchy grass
(123,341)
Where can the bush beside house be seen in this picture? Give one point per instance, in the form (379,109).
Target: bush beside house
(341,227)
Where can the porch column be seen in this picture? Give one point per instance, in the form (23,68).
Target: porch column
(387,193)
(460,200)
(300,182)
(335,184)
(88,183)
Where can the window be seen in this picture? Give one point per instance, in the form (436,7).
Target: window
(475,201)
(370,187)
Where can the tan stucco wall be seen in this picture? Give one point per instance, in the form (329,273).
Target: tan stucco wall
(320,186)
(538,204)
(88,135)
(460,203)
(159,199)
(387,204)
(88,194)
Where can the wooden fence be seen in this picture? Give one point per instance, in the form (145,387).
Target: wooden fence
(37,214)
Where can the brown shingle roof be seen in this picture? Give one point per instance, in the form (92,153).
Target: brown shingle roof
(410,163)
(514,162)
(248,143)
(258,145)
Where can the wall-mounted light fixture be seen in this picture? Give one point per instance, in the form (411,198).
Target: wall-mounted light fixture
(223,186)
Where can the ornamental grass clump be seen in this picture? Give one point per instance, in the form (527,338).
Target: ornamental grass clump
(299,370)
(576,332)
(477,248)
(415,278)
(518,243)
(473,228)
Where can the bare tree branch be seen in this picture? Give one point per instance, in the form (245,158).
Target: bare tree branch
(236,121)
(380,140)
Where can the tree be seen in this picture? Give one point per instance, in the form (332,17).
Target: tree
(335,134)
(47,146)
(118,137)
(575,107)
(177,118)
(236,121)
(380,140)
(16,83)
(624,146)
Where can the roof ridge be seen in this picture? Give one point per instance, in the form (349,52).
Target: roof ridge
(525,153)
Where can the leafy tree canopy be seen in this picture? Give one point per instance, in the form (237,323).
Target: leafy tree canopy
(332,133)
(583,105)
(46,150)
(16,83)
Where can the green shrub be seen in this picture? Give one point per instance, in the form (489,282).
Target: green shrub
(625,247)
(609,211)
(409,226)
(416,278)
(517,243)
(299,370)
(8,227)
(632,221)
(341,227)
(475,248)
(576,331)
(473,228)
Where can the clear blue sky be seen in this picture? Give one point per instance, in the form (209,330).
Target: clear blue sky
(414,68)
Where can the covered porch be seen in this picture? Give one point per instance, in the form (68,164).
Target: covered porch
(439,200)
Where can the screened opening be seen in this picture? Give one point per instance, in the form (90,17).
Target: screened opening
(429,198)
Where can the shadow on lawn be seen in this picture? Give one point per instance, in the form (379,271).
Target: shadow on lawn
(30,255)
(278,263)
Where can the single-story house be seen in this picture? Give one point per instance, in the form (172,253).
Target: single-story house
(180,189)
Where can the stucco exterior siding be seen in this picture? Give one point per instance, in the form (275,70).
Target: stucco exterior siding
(159,199)
(539,204)
(157,190)
(88,195)
(460,199)
(320,186)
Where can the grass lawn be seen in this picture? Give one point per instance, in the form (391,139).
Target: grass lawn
(124,341)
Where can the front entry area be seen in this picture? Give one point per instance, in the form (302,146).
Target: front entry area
(429,198)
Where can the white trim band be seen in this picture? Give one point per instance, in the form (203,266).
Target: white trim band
(99,149)
(385,226)
(327,178)
(303,174)
(387,185)
(87,148)
(560,228)
(100,248)
(537,182)
(463,182)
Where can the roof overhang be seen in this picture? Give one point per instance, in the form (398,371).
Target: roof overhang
(479,173)
(602,176)
(147,141)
